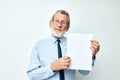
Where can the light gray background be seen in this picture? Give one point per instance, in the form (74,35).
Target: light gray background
(23,22)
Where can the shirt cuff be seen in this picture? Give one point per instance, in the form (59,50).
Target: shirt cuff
(94,57)
(50,70)
(93,60)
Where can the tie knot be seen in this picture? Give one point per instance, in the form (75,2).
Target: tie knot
(58,40)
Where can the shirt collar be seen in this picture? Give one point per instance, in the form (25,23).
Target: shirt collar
(54,40)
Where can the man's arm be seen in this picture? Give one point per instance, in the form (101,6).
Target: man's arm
(35,70)
(95,48)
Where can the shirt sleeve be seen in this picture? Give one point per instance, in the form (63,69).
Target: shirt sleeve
(35,70)
(85,72)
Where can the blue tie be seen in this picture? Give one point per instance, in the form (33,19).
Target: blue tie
(61,72)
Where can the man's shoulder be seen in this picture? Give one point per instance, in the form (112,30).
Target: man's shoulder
(42,41)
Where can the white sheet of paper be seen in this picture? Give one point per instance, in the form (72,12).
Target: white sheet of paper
(78,48)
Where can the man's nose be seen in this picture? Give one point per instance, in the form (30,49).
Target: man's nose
(60,24)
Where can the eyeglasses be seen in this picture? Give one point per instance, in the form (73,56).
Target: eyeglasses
(63,23)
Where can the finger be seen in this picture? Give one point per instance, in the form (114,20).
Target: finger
(95,46)
(67,61)
(66,65)
(94,41)
(66,57)
(93,49)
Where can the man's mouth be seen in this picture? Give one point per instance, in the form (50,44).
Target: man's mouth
(57,30)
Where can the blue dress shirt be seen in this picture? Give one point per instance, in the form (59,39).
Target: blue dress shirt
(44,53)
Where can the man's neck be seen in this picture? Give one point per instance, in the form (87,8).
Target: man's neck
(57,37)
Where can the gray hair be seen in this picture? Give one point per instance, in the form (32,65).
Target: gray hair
(62,12)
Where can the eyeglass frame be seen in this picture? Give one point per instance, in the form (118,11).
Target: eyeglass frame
(63,23)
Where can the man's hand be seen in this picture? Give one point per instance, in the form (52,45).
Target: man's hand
(61,63)
(94,47)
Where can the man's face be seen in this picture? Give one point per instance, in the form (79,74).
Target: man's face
(59,25)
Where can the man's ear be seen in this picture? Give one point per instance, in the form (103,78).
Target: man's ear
(50,24)
(67,28)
